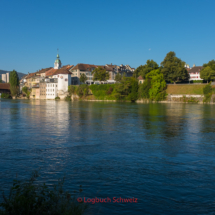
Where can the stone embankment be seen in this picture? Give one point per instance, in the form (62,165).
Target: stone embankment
(180,98)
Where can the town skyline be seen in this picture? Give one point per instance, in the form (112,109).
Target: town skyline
(93,63)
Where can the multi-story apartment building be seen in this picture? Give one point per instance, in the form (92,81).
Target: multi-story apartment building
(35,91)
(42,89)
(82,69)
(8,77)
(51,88)
(4,78)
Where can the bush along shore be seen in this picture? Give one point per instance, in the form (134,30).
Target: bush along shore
(32,197)
(128,89)
(150,91)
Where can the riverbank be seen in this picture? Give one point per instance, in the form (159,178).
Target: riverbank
(178,93)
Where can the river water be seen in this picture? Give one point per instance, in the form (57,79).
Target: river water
(161,154)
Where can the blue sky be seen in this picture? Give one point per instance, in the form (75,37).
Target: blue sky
(104,31)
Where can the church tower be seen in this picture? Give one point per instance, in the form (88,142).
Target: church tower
(57,63)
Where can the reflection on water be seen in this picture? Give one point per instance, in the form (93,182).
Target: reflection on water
(162,154)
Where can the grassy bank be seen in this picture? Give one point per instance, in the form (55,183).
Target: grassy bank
(196,89)
(103,91)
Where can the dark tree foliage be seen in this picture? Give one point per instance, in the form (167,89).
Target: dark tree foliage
(34,198)
(118,77)
(127,89)
(14,83)
(83,90)
(144,89)
(143,70)
(14,78)
(211,64)
(109,91)
(71,89)
(26,91)
(133,96)
(83,78)
(173,68)
(100,74)
(0,81)
(208,72)
(207,90)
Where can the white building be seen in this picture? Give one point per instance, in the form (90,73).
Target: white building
(4,78)
(64,80)
(8,77)
(195,73)
(51,88)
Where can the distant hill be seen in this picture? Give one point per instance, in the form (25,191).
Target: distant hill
(19,73)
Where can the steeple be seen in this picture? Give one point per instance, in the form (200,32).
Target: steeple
(57,63)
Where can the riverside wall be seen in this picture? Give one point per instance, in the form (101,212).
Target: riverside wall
(180,98)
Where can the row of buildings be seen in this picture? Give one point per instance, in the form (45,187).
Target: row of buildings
(53,82)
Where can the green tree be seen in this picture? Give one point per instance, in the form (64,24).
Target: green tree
(157,91)
(83,78)
(71,89)
(173,68)
(207,90)
(100,74)
(133,96)
(26,91)
(208,71)
(0,81)
(211,64)
(143,70)
(14,83)
(82,90)
(14,78)
(127,89)
(144,89)
(118,77)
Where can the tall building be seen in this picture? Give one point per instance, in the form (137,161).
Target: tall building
(8,77)
(4,78)
(57,63)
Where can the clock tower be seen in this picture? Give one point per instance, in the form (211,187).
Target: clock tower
(57,63)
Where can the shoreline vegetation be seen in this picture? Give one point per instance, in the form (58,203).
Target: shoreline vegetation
(149,83)
(33,197)
(173,93)
(182,93)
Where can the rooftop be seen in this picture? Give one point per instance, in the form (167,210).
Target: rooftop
(83,67)
(196,69)
(140,78)
(4,86)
